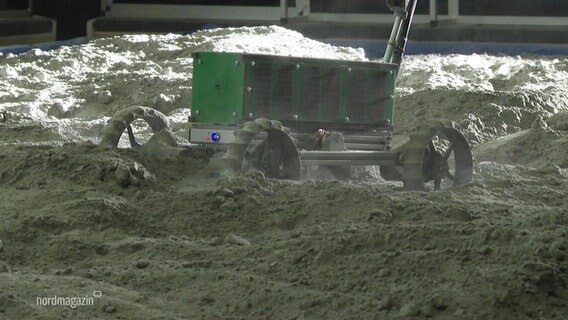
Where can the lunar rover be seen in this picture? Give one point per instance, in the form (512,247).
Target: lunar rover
(290,117)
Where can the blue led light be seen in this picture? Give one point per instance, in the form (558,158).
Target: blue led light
(215,136)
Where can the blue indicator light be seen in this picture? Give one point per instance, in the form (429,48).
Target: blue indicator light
(215,136)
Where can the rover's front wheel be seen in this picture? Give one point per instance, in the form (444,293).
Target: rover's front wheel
(264,145)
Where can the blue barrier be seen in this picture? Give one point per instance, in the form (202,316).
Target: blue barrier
(376,48)
(46,46)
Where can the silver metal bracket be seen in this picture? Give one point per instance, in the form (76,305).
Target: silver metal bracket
(211,134)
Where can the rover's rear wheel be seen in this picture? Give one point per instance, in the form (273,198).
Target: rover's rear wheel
(437,156)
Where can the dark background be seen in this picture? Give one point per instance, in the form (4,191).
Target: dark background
(13,4)
(261,3)
(72,15)
(257,3)
(467,7)
(369,6)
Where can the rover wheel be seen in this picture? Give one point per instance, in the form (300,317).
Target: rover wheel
(437,156)
(122,120)
(275,153)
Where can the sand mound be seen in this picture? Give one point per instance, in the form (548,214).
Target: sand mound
(539,146)
(87,165)
(489,96)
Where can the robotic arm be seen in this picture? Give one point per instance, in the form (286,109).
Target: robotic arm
(404,12)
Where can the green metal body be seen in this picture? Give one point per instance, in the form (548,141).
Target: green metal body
(231,88)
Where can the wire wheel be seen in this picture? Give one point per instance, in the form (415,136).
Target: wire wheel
(276,156)
(437,156)
(263,145)
(123,119)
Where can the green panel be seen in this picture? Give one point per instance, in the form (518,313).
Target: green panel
(292,89)
(218,88)
(367,95)
(318,96)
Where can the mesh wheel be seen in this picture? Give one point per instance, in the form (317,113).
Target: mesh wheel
(276,155)
(122,119)
(436,154)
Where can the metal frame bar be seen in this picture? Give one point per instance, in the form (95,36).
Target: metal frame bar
(284,9)
(453,9)
(347,155)
(353,158)
(433,10)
